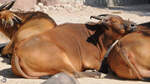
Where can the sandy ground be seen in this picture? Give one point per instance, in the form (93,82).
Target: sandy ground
(79,14)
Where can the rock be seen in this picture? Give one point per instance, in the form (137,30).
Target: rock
(61,78)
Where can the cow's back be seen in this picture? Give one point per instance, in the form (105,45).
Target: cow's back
(34,27)
(73,39)
(33,23)
(138,45)
(132,55)
(65,45)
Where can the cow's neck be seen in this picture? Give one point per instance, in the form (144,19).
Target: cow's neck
(108,40)
(101,40)
(96,39)
(105,42)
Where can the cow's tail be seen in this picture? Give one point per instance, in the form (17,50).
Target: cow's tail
(17,68)
(131,64)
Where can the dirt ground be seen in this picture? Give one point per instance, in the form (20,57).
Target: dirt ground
(79,14)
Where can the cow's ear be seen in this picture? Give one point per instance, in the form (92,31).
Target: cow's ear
(7,5)
(92,26)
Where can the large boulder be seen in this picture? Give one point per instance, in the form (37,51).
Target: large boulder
(61,78)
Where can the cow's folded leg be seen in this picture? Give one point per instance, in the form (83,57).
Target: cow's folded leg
(94,74)
(7,49)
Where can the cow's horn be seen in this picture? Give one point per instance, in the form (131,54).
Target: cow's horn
(7,5)
(95,17)
(3,6)
(100,17)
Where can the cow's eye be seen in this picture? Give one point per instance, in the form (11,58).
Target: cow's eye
(132,25)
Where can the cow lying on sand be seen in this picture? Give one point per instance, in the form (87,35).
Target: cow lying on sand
(22,24)
(132,55)
(69,48)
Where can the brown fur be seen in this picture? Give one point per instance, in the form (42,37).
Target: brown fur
(31,23)
(69,48)
(130,57)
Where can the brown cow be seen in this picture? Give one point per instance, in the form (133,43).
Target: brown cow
(69,48)
(130,58)
(35,23)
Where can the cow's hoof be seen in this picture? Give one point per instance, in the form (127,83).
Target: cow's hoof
(94,73)
(90,74)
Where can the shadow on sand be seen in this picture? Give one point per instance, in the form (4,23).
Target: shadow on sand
(115,77)
(6,60)
(142,9)
(7,73)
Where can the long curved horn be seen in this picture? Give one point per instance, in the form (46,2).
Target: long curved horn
(102,16)
(3,6)
(95,17)
(99,17)
(7,5)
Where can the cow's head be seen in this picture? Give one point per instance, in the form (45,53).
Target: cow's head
(8,18)
(115,23)
(112,28)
